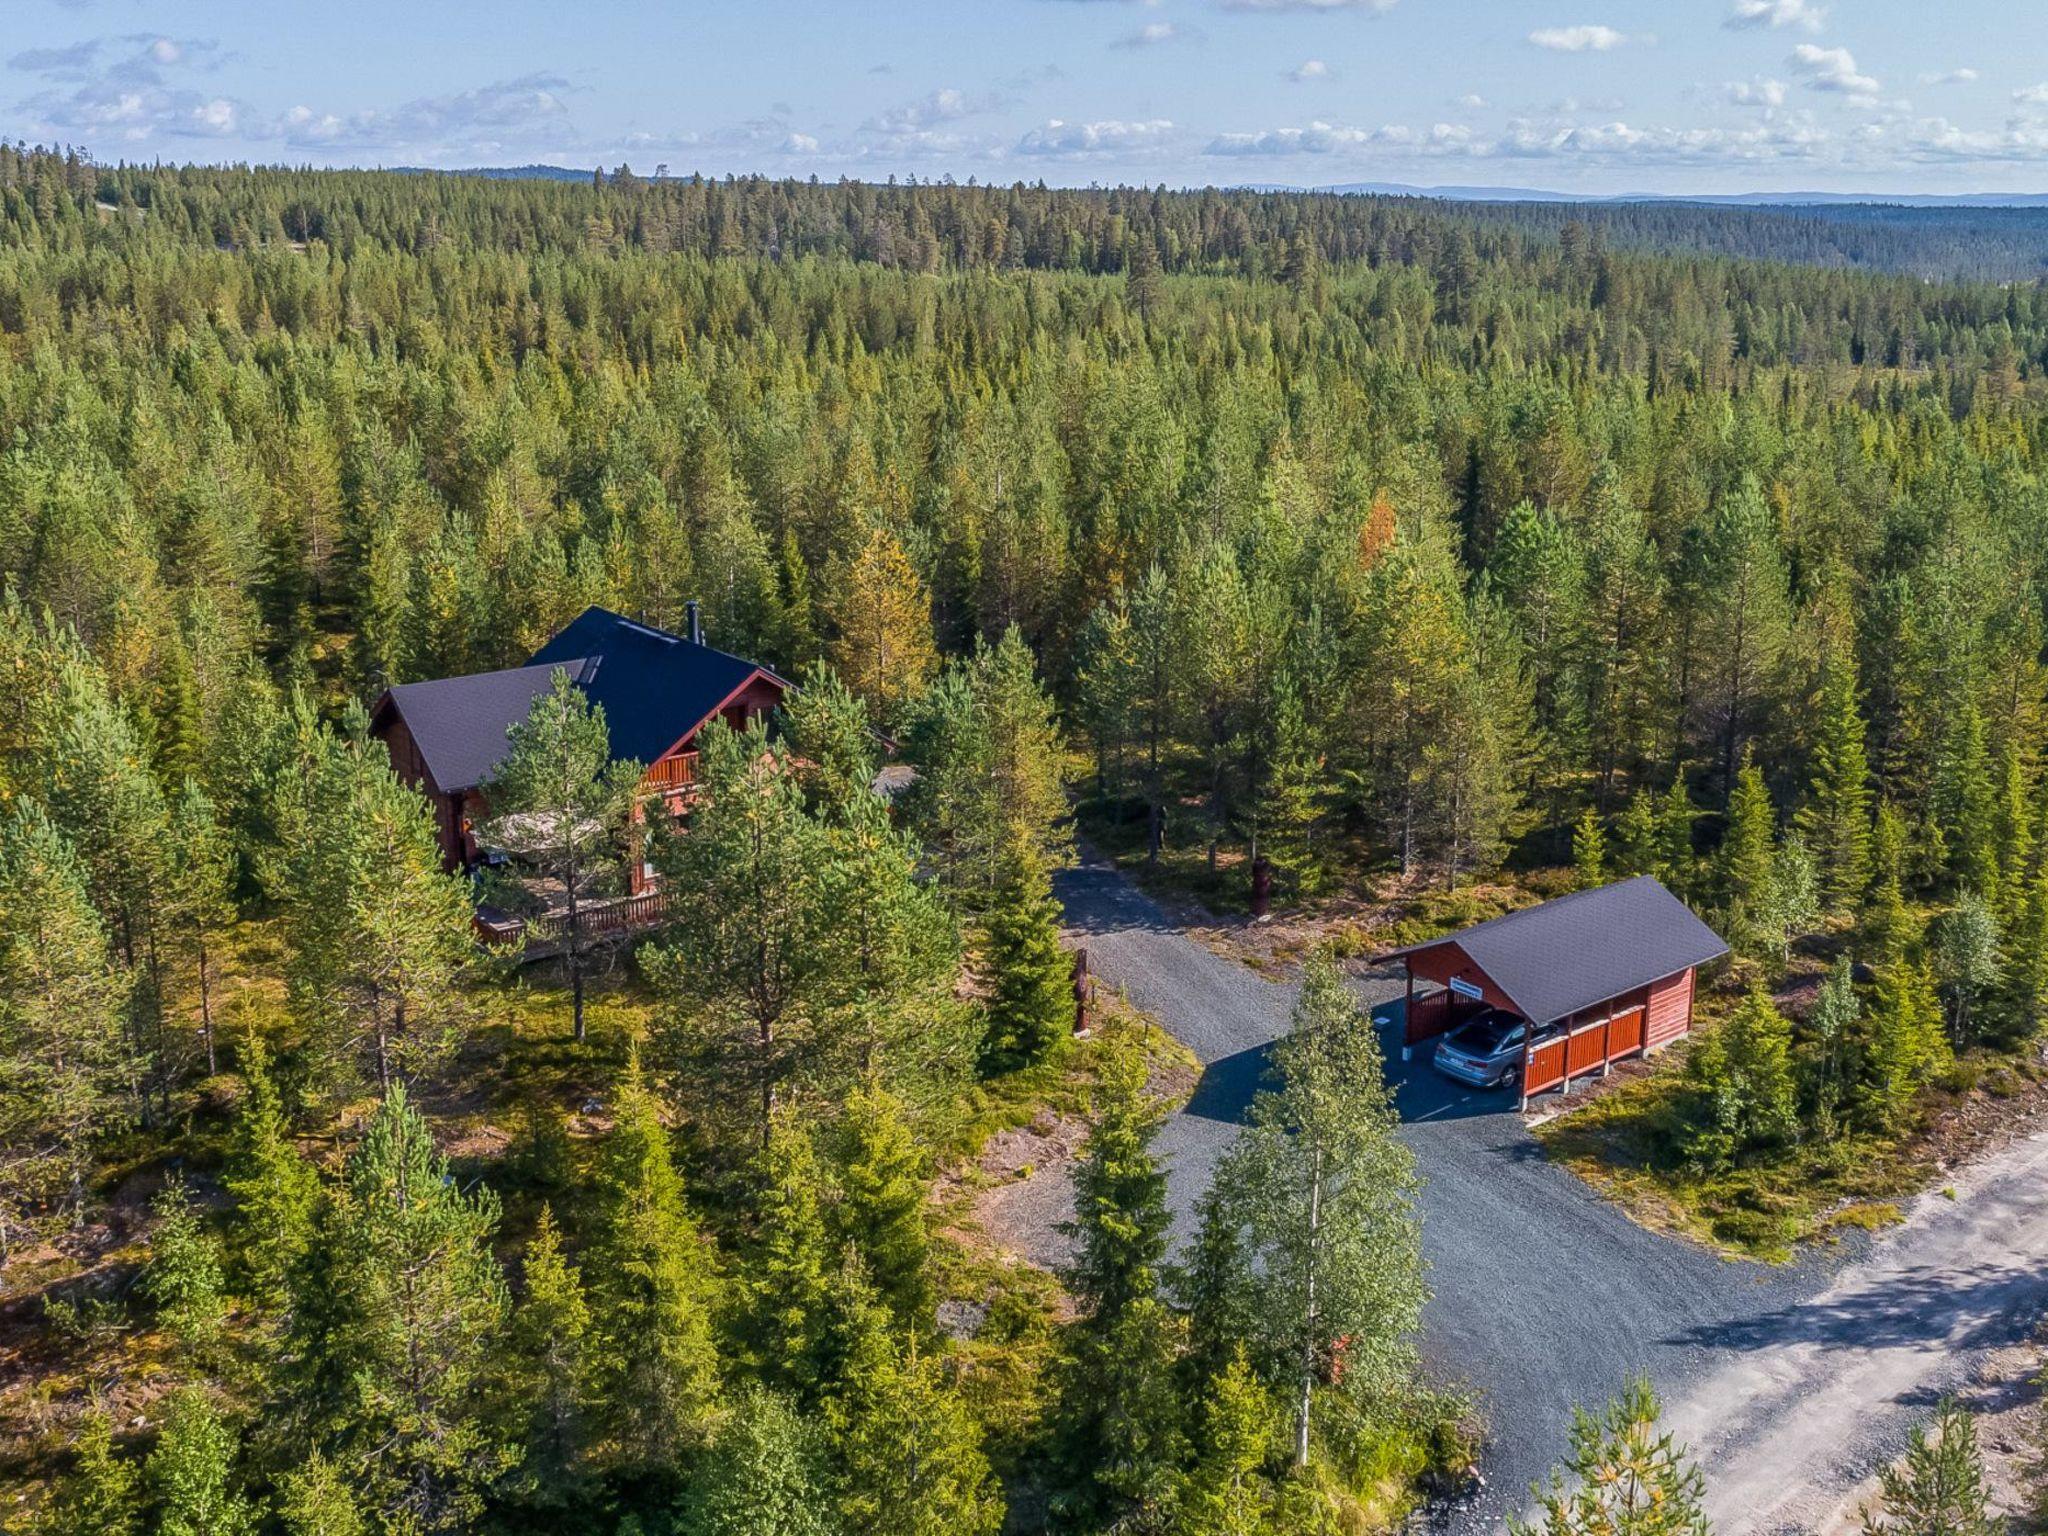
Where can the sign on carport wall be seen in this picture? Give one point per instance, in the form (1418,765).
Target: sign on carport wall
(1464,988)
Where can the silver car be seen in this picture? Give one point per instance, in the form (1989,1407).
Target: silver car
(1485,1051)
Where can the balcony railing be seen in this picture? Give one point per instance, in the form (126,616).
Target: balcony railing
(670,774)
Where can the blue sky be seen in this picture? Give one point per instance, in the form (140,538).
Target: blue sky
(1578,95)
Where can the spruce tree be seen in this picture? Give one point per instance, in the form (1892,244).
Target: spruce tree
(655,1367)
(883,1176)
(789,1268)
(1031,975)
(1223,1493)
(1886,922)
(275,1189)
(184,1276)
(315,1500)
(397,1318)
(1741,1073)
(1589,851)
(909,1451)
(1962,809)
(1636,839)
(102,1493)
(191,1473)
(1120,1417)
(1905,1046)
(1675,812)
(550,1341)
(1836,816)
(1623,1477)
(766,1474)
(1745,863)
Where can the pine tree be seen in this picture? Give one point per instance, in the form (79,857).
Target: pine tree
(397,1316)
(828,733)
(560,804)
(67,1069)
(765,1475)
(550,1340)
(201,872)
(1589,851)
(191,1473)
(883,1175)
(1325,1192)
(275,1189)
(1031,992)
(1939,1488)
(1622,1477)
(655,1368)
(1738,582)
(1836,816)
(184,1276)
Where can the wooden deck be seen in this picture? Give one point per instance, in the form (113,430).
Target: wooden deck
(601,921)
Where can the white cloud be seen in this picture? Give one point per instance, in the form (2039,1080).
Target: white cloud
(2033,95)
(1307,70)
(1472,101)
(1831,69)
(1755,93)
(1329,138)
(1308,5)
(1949,77)
(485,118)
(1065,140)
(134,86)
(941,106)
(1150,35)
(1578,39)
(1802,14)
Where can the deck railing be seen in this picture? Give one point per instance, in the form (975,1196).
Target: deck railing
(670,774)
(599,919)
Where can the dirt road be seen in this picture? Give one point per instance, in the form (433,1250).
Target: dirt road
(1791,1382)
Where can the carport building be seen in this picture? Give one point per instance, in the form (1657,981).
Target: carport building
(1599,976)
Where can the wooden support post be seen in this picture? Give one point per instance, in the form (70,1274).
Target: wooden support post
(1408,1012)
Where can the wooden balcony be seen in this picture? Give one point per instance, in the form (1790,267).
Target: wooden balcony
(544,934)
(670,775)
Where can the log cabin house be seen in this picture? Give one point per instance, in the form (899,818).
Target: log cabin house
(658,690)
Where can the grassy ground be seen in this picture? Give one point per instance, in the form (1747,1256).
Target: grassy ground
(1627,1140)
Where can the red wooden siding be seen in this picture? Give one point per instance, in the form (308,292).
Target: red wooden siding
(1546,1066)
(1670,1013)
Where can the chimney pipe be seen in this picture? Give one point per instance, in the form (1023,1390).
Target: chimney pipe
(696,628)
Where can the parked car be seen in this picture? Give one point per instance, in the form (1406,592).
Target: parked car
(1485,1051)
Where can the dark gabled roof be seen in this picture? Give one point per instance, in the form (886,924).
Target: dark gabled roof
(459,723)
(1564,955)
(655,689)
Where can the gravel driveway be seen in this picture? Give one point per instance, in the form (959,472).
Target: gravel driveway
(1545,1296)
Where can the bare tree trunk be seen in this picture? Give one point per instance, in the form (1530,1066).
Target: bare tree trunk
(206,1012)
(1308,1321)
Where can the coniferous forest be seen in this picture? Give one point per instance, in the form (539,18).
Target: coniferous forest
(1425,557)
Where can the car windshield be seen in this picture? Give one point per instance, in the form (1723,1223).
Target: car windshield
(1484,1035)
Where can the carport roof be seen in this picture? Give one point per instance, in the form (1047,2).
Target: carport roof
(1560,956)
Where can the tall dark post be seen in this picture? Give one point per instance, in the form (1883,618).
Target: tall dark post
(696,624)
